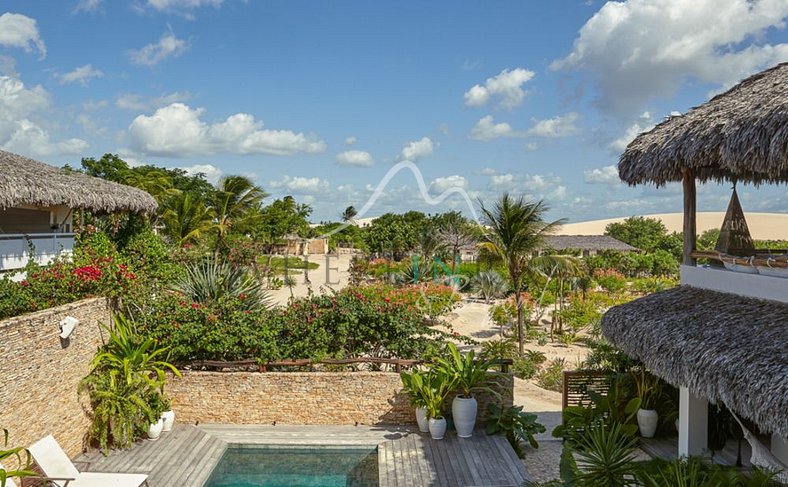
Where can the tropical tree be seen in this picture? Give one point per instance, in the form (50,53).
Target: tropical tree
(456,233)
(235,199)
(349,214)
(516,230)
(185,218)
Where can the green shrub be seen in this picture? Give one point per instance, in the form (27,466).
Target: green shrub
(518,426)
(552,377)
(499,349)
(211,281)
(524,368)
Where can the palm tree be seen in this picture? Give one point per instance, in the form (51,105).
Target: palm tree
(516,230)
(349,214)
(234,200)
(185,218)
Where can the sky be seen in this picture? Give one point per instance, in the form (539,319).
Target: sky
(330,101)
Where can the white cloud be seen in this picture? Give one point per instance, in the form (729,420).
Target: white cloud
(643,124)
(212,173)
(177,130)
(300,185)
(486,129)
(502,182)
(20,131)
(152,54)
(350,140)
(506,88)
(413,151)
(439,185)
(641,49)
(487,171)
(533,185)
(531,146)
(138,102)
(17,30)
(355,158)
(603,175)
(559,193)
(180,5)
(88,5)
(560,126)
(82,74)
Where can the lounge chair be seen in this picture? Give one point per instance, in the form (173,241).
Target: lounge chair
(55,464)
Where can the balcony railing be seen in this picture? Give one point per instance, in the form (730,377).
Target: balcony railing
(15,248)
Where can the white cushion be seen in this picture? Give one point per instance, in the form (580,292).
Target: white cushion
(100,479)
(52,459)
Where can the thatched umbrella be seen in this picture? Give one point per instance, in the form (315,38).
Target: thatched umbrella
(24,181)
(740,135)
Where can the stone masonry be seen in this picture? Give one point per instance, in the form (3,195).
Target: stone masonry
(39,373)
(299,397)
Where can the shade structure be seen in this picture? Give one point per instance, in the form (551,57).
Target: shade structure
(24,181)
(721,346)
(740,135)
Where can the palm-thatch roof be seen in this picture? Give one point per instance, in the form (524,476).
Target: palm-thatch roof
(596,243)
(721,346)
(24,181)
(741,134)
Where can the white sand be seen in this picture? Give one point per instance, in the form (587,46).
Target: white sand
(763,226)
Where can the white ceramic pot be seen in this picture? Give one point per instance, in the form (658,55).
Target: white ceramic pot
(155,429)
(169,419)
(647,422)
(463,412)
(437,428)
(421,419)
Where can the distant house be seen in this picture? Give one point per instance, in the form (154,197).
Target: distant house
(37,202)
(293,244)
(586,244)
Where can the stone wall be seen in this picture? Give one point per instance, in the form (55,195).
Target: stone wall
(298,397)
(39,373)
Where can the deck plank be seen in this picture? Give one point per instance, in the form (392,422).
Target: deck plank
(186,456)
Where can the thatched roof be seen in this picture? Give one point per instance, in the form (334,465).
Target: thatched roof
(24,181)
(741,135)
(721,346)
(586,242)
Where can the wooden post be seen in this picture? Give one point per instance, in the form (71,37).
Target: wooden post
(690,227)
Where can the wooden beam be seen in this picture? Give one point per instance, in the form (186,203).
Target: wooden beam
(690,227)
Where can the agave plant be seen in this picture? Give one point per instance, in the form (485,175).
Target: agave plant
(490,284)
(212,280)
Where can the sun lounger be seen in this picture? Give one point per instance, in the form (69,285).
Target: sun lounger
(55,464)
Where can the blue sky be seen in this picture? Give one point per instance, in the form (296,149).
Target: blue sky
(321,99)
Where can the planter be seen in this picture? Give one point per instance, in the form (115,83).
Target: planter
(155,429)
(421,419)
(463,411)
(437,428)
(647,422)
(169,419)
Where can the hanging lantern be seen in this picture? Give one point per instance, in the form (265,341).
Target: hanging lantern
(735,234)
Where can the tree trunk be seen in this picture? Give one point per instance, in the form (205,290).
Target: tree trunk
(519,305)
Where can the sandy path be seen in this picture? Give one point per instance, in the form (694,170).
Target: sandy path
(318,281)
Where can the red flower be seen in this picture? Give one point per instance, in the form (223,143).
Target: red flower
(242,296)
(195,305)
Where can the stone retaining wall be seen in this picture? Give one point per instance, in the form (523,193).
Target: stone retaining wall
(39,373)
(299,397)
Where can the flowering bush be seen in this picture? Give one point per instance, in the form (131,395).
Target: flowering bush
(610,280)
(377,321)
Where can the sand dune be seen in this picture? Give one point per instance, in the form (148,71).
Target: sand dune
(763,226)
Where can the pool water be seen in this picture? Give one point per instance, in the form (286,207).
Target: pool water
(247,466)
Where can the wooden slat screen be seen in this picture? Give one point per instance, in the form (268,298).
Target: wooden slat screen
(578,382)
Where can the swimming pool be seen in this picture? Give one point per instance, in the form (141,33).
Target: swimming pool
(253,465)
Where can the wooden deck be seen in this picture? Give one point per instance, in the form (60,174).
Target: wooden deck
(186,456)
(667,448)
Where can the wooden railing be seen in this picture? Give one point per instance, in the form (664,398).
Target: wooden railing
(397,364)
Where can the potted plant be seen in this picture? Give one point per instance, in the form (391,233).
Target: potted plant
(648,389)
(156,404)
(467,375)
(414,384)
(168,416)
(18,462)
(437,387)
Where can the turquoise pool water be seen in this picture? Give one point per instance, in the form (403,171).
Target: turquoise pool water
(248,466)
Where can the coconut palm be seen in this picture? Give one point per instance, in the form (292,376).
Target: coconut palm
(515,231)
(185,218)
(349,214)
(233,203)
(456,233)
